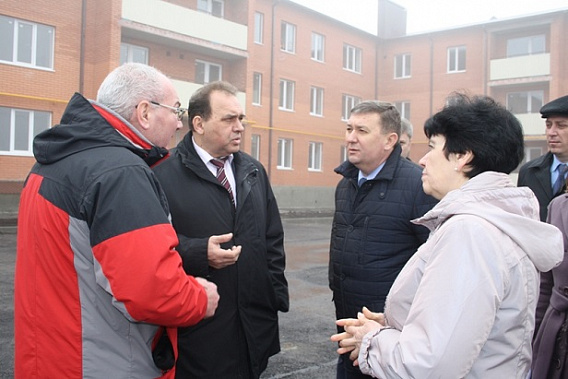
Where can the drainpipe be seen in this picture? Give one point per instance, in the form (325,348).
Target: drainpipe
(271,101)
(377,42)
(82,47)
(485,60)
(431,75)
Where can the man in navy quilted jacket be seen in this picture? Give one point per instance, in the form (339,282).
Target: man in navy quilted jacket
(372,236)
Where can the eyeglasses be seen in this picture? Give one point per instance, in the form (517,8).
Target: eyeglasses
(179,111)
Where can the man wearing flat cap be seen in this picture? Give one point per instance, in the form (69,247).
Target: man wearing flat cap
(546,175)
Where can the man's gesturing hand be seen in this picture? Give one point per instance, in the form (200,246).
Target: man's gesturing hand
(219,257)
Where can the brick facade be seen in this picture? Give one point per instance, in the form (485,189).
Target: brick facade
(86,49)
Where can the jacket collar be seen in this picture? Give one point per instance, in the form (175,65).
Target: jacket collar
(349,171)
(242,163)
(145,149)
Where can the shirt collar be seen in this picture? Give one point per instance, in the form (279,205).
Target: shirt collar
(205,156)
(373,173)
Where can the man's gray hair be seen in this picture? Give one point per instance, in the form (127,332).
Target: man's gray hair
(406,127)
(129,84)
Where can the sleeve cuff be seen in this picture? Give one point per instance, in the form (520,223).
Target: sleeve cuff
(363,358)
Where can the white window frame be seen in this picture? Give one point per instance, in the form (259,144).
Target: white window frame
(209,9)
(255,146)
(38,47)
(258,28)
(351,58)
(315,156)
(127,53)
(207,71)
(534,44)
(342,154)
(347,103)
(532,152)
(256,88)
(288,37)
(402,66)
(285,153)
(318,47)
(403,108)
(286,100)
(8,123)
(529,95)
(457,59)
(316,101)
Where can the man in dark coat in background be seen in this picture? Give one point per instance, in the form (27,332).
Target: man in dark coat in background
(372,237)
(230,232)
(546,175)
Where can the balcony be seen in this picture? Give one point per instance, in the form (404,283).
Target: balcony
(163,22)
(520,67)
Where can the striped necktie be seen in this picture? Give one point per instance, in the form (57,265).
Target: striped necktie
(559,183)
(222,178)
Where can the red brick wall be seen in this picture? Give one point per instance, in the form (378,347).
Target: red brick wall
(299,125)
(425,90)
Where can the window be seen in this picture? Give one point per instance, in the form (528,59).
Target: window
(314,159)
(286,101)
(316,101)
(318,44)
(26,43)
(351,58)
(132,53)
(255,146)
(531,152)
(288,38)
(213,7)
(403,108)
(256,88)
(342,154)
(525,102)
(18,127)
(526,46)
(285,153)
(206,72)
(456,59)
(258,27)
(348,102)
(402,66)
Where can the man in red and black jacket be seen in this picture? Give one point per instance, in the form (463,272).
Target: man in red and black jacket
(97,275)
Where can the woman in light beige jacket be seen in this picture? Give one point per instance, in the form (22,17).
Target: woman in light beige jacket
(464,304)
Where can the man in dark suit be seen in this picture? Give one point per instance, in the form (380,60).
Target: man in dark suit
(546,175)
(228,224)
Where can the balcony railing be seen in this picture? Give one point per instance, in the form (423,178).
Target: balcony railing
(520,67)
(186,22)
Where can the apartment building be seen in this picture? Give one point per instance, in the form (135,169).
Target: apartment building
(521,62)
(298,71)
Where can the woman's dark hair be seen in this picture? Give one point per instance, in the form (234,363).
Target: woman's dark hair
(481,125)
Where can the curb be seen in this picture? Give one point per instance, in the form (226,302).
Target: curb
(8,220)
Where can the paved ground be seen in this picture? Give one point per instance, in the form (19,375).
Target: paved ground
(306,353)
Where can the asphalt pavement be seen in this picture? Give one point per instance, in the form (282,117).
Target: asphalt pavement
(307,352)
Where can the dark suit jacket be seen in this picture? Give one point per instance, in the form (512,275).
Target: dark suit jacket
(535,174)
